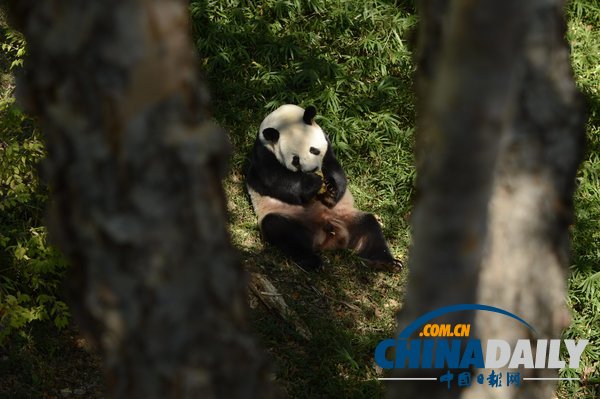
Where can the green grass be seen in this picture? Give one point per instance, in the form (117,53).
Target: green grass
(351,60)
(584,281)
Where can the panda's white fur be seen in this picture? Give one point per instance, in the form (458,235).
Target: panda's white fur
(295,138)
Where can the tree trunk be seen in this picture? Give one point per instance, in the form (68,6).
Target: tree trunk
(134,165)
(525,267)
(499,140)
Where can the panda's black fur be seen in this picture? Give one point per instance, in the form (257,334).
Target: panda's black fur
(303,204)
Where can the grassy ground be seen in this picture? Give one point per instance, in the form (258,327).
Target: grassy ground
(49,364)
(584,281)
(352,60)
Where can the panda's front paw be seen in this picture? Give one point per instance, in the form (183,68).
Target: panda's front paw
(311,183)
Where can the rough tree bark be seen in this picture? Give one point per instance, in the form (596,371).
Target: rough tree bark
(134,167)
(527,251)
(499,140)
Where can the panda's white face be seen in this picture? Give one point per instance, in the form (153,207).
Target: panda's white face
(294,138)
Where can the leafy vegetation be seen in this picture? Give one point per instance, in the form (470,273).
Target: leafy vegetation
(32,308)
(352,60)
(31,270)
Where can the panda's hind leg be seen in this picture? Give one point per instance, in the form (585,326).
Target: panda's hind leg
(367,239)
(292,238)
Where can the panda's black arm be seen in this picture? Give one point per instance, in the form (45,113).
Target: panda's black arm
(334,174)
(268,177)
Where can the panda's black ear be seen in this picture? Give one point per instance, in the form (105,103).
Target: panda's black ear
(271,134)
(309,114)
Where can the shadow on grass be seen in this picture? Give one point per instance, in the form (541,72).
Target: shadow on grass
(348,308)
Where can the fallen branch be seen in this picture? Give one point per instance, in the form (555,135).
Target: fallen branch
(266,292)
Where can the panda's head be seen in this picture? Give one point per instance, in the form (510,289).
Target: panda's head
(291,134)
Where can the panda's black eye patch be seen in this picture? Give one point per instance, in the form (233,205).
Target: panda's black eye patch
(314,151)
(271,134)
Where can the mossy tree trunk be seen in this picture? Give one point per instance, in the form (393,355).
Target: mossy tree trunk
(499,141)
(137,206)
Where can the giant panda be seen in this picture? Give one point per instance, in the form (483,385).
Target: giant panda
(300,196)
